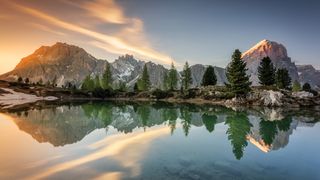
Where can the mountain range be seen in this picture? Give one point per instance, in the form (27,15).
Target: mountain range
(66,63)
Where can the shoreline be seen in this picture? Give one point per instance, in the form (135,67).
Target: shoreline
(12,96)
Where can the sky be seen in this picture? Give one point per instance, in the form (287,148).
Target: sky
(163,31)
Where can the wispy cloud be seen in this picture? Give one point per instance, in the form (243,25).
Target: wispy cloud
(47,29)
(106,10)
(115,147)
(129,38)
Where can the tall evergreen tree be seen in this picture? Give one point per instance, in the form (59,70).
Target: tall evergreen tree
(106,80)
(144,81)
(186,77)
(283,79)
(209,77)
(266,72)
(236,73)
(173,78)
(165,81)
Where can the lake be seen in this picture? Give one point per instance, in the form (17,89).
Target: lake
(122,140)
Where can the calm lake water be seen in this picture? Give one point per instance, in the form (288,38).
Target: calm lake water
(98,140)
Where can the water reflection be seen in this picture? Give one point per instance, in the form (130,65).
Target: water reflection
(189,137)
(268,129)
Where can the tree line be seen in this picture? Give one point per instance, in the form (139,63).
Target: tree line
(236,73)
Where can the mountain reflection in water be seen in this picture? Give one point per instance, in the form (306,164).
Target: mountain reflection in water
(69,123)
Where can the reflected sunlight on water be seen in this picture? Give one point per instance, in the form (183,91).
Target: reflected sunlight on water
(134,141)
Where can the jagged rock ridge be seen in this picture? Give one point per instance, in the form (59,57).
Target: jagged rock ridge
(68,63)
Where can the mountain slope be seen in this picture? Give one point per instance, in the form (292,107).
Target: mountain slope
(66,63)
(308,74)
(278,55)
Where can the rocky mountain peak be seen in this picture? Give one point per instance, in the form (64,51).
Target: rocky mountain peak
(266,48)
(275,51)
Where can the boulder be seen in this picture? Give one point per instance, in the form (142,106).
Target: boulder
(271,98)
(302,94)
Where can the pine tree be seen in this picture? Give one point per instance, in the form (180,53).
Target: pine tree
(266,72)
(122,86)
(144,81)
(296,86)
(97,83)
(283,79)
(135,87)
(165,81)
(88,84)
(186,77)
(306,87)
(27,80)
(20,79)
(237,77)
(209,77)
(106,80)
(173,78)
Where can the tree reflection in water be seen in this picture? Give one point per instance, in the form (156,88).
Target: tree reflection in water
(68,123)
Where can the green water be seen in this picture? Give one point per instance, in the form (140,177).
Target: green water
(99,140)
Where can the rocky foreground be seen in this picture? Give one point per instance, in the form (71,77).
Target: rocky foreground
(12,94)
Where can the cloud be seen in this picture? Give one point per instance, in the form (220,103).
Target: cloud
(128,150)
(47,29)
(106,10)
(128,39)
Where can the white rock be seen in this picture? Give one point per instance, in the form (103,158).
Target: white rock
(271,98)
(13,98)
(302,94)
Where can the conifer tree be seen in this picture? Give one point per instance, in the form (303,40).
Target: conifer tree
(296,86)
(27,80)
(209,77)
(135,87)
(165,81)
(144,81)
(236,73)
(283,79)
(266,72)
(186,77)
(97,83)
(88,84)
(306,87)
(20,79)
(173,78)
(106,80)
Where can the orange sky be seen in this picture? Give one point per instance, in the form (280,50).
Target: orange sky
(25,26)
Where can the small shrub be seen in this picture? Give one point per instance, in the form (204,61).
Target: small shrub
(159,94)
(225,95)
